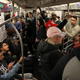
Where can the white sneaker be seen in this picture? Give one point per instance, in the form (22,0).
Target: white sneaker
(30,55)
(34,78)
(38,59)
(28,52)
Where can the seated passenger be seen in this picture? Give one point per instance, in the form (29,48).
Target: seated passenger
(11,34)
(14,41)
(49,51)
(10,58)
(73,30)
(6,53)
(68,67)
(8,71)
(76,42)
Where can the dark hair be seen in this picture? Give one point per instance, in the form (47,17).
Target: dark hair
(44,12)
(34,11)
(58,17)
(0,50)
(28,21)
(47,19)
(74,17)
(7,16)
(1,44)
(10,32)
(30,13)
(8,41)
(41,21)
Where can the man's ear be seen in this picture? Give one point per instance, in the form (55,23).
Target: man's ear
(1,48)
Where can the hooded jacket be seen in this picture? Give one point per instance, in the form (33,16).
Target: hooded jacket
(68,67)
(49,56)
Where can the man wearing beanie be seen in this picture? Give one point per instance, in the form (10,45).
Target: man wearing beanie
(49,51)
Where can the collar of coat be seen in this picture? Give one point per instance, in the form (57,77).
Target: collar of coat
(49,40)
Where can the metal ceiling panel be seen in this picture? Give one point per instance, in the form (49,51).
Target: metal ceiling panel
(42,3)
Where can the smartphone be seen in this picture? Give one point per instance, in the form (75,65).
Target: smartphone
(11,61)
(14,37)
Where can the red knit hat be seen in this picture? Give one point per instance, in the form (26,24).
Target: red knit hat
(50,24)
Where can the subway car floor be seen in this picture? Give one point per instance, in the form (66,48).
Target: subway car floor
(32,66)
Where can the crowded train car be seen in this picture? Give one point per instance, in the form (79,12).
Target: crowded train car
(39,40)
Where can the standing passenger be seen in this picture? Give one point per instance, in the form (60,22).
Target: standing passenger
(55,19)
(73,30)
(49,51)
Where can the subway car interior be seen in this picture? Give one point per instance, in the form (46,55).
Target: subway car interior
(39,40)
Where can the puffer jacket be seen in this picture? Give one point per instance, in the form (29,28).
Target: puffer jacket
(42,33)
(50,54)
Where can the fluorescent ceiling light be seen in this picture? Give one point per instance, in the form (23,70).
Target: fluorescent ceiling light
(4,1)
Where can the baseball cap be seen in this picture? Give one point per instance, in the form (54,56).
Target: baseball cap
(50,23)
(53,31)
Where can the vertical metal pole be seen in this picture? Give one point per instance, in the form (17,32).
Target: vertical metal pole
(36,11)
(21,48)
(62,44)
(79,37)
(68,8)
(79,21)
(48,13)
(19,39)
(24,13)
(12,8)
(36,15)
(22,55)
(18,10)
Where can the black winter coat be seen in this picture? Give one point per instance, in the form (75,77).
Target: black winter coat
(49,57)
(29,34)
(8,58)
(42,33)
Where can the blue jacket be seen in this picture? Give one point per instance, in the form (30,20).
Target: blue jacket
(18,26)
(11,73)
